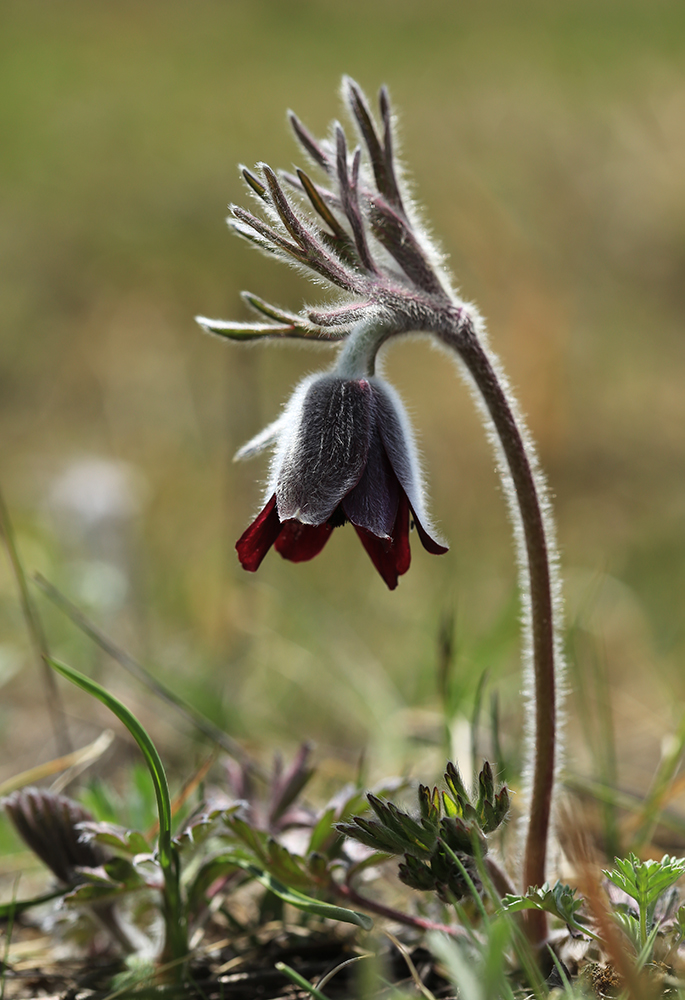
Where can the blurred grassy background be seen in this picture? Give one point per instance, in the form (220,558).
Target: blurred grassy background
(547,144)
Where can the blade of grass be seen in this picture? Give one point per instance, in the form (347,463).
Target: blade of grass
(20,905)
(659,789)
(176,943)
(8,935)
(460,970)
(36,633)
(475,725)
(413,971)
(519,940)
(620,798)
(500,762)
(300,981)
(188,788)
(86,755)
(566,986)
(590,684)
(343,965)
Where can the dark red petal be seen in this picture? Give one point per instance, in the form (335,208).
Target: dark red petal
(381,553)
(254,543)
(390,556)
(299,542)
(429,544)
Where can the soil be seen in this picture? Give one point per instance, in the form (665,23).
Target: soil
(239,970)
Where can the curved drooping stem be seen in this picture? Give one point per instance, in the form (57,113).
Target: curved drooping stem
(536,558)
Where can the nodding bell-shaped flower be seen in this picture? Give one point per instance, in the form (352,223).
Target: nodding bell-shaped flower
(344,451)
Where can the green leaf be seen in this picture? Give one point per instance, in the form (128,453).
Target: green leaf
(97,892)
(286,867)
(293,896)
(323,832)
(254,183)
(245,331)
(417,874)
(645,881)
(486,787)
(273,312)
(412,836)
(560,900)
(200,829)
(255,840)
(140,735)
(459,835)
(308,903)
(429,804)
(7,910)
(208,873)
(129,842)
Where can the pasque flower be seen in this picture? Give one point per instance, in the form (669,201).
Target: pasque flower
(343,452)
(343,448)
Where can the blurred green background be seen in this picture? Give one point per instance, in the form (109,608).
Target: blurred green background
(546,142)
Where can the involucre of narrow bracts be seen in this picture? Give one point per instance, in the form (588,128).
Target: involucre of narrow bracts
(442,874)
(450,823)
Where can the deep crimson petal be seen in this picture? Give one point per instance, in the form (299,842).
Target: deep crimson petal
(429,543)
(390,556)
(299,542)
(401,452)
(381,553)
(254,543)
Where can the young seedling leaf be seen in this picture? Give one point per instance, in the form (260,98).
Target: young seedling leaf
(127,842)
(559,900)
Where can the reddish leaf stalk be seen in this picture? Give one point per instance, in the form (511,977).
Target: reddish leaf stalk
(346,892)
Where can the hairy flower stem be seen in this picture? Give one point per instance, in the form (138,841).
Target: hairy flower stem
(537,579)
